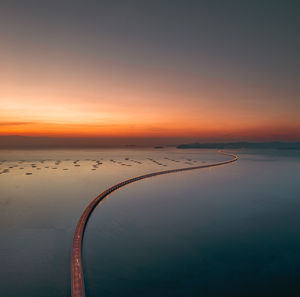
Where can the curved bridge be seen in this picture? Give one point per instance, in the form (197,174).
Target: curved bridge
(77,279)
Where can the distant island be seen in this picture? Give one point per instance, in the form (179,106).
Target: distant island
(243,144)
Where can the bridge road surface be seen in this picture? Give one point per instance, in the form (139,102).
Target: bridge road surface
(77,278)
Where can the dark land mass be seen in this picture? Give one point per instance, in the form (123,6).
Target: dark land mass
(243,144)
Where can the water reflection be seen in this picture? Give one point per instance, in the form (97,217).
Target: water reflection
(227,231)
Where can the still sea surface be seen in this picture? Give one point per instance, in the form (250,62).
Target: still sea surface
(232,230)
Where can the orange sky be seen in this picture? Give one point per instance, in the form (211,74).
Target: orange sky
(109,100)
(200,72)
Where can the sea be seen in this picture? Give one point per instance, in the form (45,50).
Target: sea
(226,231)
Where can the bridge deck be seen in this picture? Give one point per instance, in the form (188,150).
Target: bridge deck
(77,278)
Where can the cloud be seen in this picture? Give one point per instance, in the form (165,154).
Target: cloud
(4,124)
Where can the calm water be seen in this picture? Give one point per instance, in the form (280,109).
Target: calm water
(226,231)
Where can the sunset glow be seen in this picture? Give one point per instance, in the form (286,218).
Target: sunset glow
(103,87)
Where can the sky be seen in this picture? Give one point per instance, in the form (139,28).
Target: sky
(199,70)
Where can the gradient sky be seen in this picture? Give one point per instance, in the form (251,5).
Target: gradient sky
(205,70)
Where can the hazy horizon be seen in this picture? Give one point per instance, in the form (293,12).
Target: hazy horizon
(21,142)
